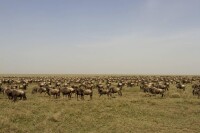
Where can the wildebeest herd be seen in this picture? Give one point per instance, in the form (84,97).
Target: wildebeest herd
(16,87)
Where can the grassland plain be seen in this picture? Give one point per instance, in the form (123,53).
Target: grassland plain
(177,112)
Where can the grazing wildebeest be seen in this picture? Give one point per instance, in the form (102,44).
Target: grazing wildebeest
(43,90)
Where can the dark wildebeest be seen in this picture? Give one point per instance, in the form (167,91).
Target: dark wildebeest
(15,93)
(23,86)
(180,86)
(196,90)
(154,90)
(67,91)
(103,91)
(79,92)
(18,93)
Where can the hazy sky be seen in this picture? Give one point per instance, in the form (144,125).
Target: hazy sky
(100,36)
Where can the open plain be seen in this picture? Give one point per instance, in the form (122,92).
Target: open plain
(134,111)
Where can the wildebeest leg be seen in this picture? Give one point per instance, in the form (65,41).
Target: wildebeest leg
(77,96)
(120,93)
(24,97)
(14,98)
(69,96)
(82,97)
(91,97)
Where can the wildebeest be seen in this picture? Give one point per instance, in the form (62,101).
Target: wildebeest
(8,92)
(103,91)
(23,86)
(53,91)
(99,86)
(79,92)
(163,86)
(67,91)
(4,88)
(35,90)
(18,93)
(120,85)
(1,90)
(130,84)
(88,91)
(39,90)
(42,90)
(154,90)
(146,87)
(196,90)
(113,90)
(15,93)
(180,86)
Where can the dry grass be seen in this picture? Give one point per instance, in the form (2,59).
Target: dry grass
(133,112)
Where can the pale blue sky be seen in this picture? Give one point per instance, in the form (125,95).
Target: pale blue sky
(100,36)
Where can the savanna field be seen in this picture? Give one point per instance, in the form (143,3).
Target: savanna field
(99,66)
(135,111)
